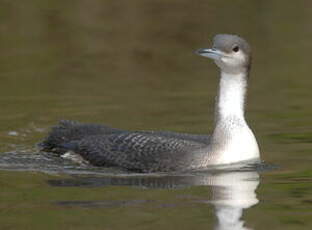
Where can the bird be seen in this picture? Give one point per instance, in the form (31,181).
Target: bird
(231,141)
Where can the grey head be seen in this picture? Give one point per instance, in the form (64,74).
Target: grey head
(231,53)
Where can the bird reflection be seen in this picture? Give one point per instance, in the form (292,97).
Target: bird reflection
(232,192)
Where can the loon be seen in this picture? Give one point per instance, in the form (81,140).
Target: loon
(232,141)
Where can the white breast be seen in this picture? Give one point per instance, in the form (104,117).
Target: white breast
(241,145)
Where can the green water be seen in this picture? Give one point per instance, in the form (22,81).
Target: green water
(131,65)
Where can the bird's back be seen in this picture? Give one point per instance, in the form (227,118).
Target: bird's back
(144,151)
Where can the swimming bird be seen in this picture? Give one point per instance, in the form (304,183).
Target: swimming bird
(231,141)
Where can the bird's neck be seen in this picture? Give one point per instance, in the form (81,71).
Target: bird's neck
(231,97)
(232,140)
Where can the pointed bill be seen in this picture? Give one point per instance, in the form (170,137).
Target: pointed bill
(209,53)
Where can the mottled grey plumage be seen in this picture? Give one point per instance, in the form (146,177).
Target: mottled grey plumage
(151,151)
(143,151)
(67,131)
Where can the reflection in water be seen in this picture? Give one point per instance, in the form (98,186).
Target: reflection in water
(232,192)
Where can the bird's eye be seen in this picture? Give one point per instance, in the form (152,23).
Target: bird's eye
(235,49)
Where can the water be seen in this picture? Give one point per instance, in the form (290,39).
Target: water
(131,65)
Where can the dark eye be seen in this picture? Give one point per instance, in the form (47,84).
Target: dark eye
(235,49)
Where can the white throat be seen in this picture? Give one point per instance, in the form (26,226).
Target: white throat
(231,97)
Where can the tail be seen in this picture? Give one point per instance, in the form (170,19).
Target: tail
(60,134)
(67,131)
